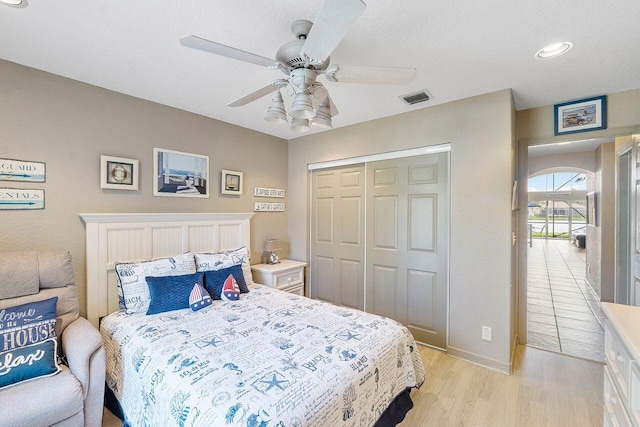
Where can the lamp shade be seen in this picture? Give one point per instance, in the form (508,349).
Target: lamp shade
(272,245)
(300,125)
(322,118)
(302,107)
(276,112)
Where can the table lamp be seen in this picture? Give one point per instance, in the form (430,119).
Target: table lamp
(271,246)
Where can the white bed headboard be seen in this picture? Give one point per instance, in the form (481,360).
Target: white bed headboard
(120,237)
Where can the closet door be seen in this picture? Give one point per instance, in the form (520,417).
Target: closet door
(407,243)
(337,236)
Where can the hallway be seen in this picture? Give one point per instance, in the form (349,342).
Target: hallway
(563,314)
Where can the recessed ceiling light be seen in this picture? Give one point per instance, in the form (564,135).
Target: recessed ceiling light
(554,50)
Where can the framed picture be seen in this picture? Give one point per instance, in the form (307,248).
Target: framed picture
(118,173)
(592,219)
(231,182)
(20,170)
(178,174)
(580,116)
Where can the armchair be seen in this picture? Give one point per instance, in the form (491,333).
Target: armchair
(75,395)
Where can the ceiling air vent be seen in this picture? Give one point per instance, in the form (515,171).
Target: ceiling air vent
(416,97)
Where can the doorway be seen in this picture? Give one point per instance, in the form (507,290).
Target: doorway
(380,240)
(562,310)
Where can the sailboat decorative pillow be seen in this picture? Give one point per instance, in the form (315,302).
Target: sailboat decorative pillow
(230,290)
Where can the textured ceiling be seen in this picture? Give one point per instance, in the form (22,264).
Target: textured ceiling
(460,49)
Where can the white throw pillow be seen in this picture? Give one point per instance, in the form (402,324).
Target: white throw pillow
(212,261)
(133,292)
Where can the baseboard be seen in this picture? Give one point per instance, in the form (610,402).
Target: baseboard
(513,354)
(496,365)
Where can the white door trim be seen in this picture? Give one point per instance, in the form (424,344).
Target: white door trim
(432,149)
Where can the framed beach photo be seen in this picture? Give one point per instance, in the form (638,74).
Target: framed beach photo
(231,182)
(118,173)
(178,174)
(580,116)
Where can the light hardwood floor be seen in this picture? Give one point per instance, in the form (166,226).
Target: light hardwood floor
(546,389)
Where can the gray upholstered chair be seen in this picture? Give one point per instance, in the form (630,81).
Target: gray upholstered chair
(75,395)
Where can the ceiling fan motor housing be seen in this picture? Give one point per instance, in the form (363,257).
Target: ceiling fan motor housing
(289,53)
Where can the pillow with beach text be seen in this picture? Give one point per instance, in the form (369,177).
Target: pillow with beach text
(133,291)
(28,344)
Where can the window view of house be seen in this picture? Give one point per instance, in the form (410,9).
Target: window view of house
(557,205)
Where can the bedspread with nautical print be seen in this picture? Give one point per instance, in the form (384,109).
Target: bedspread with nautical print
(269,359)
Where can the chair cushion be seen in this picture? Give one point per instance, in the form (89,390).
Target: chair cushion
(42,402)
(19,273)
(56,269)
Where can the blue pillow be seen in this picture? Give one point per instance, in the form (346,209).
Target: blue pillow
(171,292)
(214,280)
(28,341)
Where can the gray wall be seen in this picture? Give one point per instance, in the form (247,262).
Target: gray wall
(481,132)
(68,125)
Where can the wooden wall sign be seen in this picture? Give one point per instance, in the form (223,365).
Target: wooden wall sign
(18,170)
(21,198)
(268,207)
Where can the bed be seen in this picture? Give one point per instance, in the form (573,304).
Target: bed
(268,359)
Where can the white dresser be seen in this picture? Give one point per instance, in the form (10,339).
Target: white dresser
(622,370)
(288,275)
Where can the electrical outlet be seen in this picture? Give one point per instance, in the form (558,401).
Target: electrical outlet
(486,333)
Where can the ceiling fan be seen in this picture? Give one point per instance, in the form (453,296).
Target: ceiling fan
(302,60)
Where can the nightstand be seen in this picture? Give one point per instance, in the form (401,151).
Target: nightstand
(287,276)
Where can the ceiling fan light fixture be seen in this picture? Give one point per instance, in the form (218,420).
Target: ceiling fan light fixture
(322,118)
(300,125)
(553,50)
(276,112)
(302,107)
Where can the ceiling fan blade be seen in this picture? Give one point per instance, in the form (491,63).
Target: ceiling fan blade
(333,22)
(371,75)
(199,43)
(257,94)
